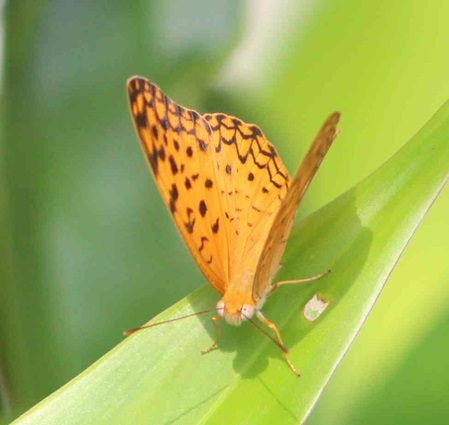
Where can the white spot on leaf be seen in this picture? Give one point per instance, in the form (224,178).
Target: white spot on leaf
(314,308)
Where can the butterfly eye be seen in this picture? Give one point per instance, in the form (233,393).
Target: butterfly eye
(220,308)
(247,311)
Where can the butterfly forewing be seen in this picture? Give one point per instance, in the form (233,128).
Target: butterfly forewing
(277,238)
(178,146)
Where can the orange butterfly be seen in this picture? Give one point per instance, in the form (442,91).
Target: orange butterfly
(229,194)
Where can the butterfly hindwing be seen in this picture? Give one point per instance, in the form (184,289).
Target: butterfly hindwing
(252,180)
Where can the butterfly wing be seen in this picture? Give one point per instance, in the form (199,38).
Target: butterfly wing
(221,180)
(275,244)
(253,181)
(177,143)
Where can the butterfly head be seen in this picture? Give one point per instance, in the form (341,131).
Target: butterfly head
(235,314)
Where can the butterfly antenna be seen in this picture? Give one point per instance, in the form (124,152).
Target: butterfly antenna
(133,330)
(263,331)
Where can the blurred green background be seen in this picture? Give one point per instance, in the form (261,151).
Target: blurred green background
(87,247)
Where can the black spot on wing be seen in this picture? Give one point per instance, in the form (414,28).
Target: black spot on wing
(161,153)
(203,145)
(173,166)
(141,120)
(153,159)
(203,240)
(155,132)
(215,226)
(190,225)
(202,208)
(174,195)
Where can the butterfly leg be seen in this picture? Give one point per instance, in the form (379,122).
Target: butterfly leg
(217,335)
(297,281)
(274,328)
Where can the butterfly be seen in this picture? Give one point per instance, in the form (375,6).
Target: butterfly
(230,196)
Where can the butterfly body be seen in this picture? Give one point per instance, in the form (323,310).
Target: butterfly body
(227,190)
(238,299)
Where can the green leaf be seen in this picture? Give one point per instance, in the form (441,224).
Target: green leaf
(158,376)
